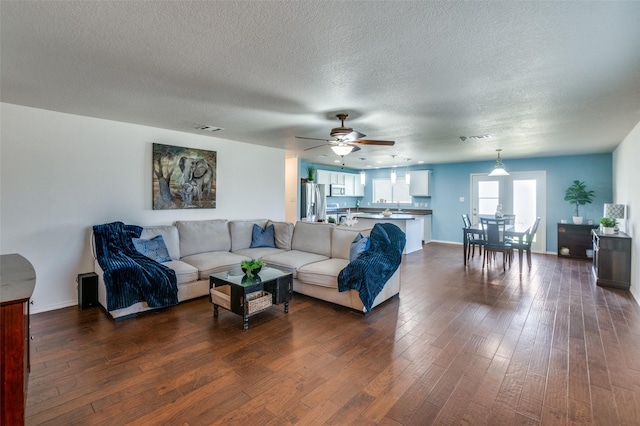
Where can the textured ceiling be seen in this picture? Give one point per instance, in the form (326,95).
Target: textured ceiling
(543,78)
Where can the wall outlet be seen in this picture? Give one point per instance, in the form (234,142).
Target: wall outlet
(462,199)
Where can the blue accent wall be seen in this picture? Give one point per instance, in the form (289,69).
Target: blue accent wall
(449,182)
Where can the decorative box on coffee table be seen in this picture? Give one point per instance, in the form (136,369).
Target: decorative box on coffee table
(248,295)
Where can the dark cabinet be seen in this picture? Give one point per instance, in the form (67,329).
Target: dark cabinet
(575,240)
(612,259)
(17,281)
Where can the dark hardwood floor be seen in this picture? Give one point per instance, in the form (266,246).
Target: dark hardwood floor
(458,346)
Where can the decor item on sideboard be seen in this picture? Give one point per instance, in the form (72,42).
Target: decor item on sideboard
(183,178)
(618,212)
(577,194)
(311,173)
(608,225)
(250,267)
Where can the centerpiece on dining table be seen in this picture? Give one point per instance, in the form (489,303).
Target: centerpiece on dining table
(251,267)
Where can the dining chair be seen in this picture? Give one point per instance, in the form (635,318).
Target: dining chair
(510,219)
(495,242)
(526,242)
(475,239)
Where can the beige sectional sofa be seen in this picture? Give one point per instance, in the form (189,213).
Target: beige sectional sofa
(314,253)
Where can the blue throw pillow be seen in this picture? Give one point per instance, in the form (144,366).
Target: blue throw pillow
(154,249)
(360,244)
(263,237)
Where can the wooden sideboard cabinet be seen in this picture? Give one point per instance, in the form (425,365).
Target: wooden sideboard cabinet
(612,259)
(17,281)
(575,240)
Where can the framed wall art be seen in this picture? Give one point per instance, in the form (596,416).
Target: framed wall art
(183,178)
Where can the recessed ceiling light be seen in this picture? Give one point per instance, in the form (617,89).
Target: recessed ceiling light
(420,162)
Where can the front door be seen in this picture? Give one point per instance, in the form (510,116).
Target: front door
(520,193)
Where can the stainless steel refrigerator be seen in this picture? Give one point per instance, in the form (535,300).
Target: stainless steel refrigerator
(312,202)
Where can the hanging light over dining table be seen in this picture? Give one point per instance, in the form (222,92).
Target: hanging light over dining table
(498,169)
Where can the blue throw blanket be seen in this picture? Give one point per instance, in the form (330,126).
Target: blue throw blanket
(373,268)
(129,276)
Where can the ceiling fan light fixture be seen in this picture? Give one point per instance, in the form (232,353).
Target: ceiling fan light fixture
(498,169)
(342,149)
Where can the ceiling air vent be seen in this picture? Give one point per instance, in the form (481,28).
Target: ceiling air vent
(475,138)
(208,128)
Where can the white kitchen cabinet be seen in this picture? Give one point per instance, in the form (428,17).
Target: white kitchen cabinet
(337,178)
(349,184)
(419,186)
(322,178)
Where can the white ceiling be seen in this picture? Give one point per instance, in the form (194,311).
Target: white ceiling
(544,78)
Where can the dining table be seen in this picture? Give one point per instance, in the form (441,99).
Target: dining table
(514,231)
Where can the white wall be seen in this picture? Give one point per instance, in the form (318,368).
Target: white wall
(60,174)
(626,175)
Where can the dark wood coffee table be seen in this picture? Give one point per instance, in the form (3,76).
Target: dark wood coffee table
(246,296)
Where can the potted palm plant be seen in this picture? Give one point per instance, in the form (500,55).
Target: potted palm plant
(577,194)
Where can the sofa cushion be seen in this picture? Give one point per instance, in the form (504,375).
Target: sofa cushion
(203,236)
(169,235)
(242,232)
(341,239)
(154,249)
(358,246)
(312,237)
(323,273)
(214,261)
(290,261)
(283,234)
(185,273)
(258,253)
(263,237)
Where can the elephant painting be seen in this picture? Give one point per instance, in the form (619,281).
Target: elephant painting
(183,178)
(196,179)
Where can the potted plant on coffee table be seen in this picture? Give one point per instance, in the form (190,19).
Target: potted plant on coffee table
(577,194)
(250,267)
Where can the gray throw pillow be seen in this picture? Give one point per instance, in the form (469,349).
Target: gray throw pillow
(263,237)
(154,249)
(360,244)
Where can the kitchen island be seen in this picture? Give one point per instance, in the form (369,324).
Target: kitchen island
(411,225)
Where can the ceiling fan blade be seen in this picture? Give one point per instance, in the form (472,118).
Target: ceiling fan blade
(353,136)
(314,139)
(314,147)
(374,142)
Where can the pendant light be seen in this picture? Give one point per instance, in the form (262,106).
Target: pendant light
(393,171)
(407,176)
(498,169)
(363,175)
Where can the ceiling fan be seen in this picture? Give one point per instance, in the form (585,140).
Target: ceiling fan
(346,139)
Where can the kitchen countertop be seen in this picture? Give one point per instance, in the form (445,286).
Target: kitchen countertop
(377,211)
(378,216)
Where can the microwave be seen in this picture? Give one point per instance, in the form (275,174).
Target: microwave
(336,190)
